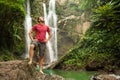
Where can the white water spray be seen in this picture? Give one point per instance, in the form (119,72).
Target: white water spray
(27,25)
(51,21)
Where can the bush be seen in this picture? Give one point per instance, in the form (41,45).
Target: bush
(12,16)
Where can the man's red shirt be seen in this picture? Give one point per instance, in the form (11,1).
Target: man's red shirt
(40,32)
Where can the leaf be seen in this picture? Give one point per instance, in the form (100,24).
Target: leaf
(18,37)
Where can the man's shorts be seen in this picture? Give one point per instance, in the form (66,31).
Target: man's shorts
(41,47)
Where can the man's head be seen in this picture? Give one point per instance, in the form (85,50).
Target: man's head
(40,19)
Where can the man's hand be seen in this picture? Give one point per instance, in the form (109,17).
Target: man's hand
(46,40)
(30,35)
(34,40)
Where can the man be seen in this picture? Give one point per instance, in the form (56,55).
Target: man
(39,40)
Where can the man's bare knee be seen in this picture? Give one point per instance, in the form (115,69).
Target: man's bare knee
(32,46)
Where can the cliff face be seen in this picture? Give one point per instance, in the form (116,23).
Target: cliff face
(20,70)
(72,21)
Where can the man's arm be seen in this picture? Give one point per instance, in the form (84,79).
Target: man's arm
(30,35)
(49,36)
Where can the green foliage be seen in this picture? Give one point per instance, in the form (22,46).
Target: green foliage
(11,24)
(12,15)
(87,5)
(6,55)
(98,46)
(59,10)
(107,15)
(101,43)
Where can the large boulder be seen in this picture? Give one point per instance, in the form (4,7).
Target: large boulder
(20,70)
(105,77)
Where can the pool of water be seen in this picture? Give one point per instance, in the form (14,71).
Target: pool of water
(71,75)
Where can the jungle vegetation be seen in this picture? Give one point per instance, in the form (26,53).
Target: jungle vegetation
(99,48)
(11,28)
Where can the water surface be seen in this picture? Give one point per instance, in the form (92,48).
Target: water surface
(72,75)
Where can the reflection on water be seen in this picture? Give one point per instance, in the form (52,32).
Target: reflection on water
(71,75)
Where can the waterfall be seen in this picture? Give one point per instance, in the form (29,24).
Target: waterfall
(51,21)
(27,25)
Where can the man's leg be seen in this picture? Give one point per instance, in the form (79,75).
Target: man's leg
(41,64)
(31,53)
(42,47)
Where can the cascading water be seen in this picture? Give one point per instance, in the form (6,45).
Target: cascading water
(27,25)
(51,21)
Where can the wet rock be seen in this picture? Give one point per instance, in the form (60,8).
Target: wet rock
(105,77)
(20,70)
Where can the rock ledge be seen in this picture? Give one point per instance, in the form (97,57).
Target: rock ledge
(20,70)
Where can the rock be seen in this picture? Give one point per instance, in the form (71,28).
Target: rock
(20,70)
(105,77)
(61,2)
